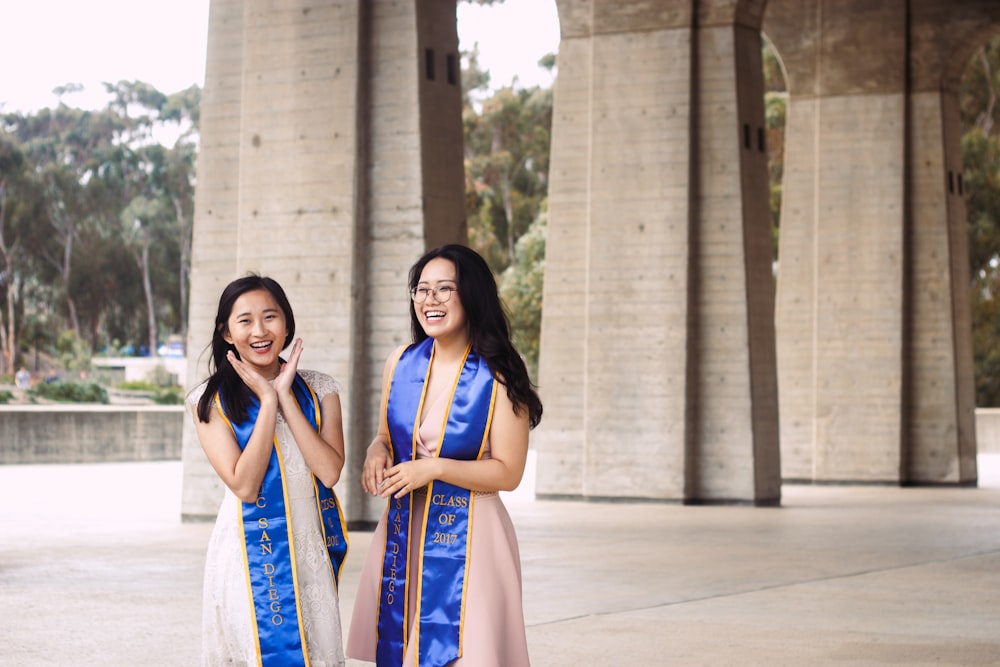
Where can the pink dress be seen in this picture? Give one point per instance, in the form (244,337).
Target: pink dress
(494,618)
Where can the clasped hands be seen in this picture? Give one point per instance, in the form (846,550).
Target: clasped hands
(380,477)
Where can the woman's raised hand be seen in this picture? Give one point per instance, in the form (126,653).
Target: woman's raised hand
(286,375)
(256,382)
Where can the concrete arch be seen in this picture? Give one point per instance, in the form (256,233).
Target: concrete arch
(660,367)
(873,324)
(941,55)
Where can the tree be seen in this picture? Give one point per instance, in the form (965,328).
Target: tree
(521,290)
(507,145)
(507,162)
(775,108)
(12,175)
(86,178)
(981,175)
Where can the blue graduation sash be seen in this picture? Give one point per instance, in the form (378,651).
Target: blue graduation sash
(443,552)
(269,553)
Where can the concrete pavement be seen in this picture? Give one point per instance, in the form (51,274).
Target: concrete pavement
(96,569)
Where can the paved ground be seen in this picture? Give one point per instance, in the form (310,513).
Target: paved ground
(96,569)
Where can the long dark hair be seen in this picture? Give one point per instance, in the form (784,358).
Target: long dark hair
(232,390)
(489,326)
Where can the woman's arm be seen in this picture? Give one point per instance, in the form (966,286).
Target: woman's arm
(241,470)
(324,451)
(378,458)
(502,472)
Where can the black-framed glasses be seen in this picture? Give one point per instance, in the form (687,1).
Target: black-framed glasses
(441,293)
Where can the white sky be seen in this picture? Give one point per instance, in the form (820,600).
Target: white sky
(50,43)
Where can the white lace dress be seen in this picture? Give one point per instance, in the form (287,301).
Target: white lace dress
(227,625)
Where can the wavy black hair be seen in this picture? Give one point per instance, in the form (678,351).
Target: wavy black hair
(489,326)
(232,390)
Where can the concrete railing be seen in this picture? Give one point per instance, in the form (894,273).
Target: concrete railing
(82,433)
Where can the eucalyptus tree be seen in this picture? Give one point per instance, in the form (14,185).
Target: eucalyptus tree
(507,144)
(980,115)
(507,163)
(112,232)
(19,203)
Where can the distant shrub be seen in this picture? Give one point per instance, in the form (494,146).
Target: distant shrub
(136,385)
(170,396)
(5,396)
(163,395)
(70,392)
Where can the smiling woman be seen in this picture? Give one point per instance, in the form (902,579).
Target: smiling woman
(457,406)
(274,436)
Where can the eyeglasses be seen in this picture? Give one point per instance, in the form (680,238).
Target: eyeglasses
(441,293)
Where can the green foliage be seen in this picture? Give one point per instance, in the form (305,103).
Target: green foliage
(136,385)
(981,176)
(507,164)
(521,291)
(171,396)
(775,110)
(70,392)
(6,396)
(96,206)
(507,142)
(162,394)
(74,354)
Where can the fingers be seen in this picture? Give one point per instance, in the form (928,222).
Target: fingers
(372,479)
(373,474)
(394,483)
(295,354)
(379,481)
(251,378)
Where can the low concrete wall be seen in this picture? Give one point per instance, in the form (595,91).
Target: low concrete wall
(988,430)
(74,433)
(77,433)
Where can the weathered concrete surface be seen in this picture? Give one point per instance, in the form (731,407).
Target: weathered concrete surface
(657,363)
(873,319)
(101,572)
(82,433)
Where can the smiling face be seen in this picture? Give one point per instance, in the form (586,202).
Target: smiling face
(441,319)
(256,328)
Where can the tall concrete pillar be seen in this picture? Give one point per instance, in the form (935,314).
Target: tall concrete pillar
(840,283)
(873,325)
(940,438)
(331,158)
(657,361)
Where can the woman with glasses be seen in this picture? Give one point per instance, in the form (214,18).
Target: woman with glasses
(441,584)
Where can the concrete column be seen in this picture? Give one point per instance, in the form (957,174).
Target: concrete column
(940,424)
(657,366)
(840,282)
(213,262)
(331,158)
(940,430)
(873,318)
(412,189)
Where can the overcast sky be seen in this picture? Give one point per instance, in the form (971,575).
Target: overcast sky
(49,43)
